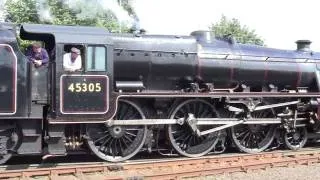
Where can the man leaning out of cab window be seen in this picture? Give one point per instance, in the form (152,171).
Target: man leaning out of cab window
(72,61)
(37,55)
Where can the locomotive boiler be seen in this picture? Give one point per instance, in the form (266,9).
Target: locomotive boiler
(191,95)
(173,62)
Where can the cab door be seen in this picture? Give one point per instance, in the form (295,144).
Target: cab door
(86,94)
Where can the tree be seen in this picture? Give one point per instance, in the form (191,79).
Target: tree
(22,11)
(63,15)
(62,12)
(227,27)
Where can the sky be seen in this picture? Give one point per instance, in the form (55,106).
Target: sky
(278,22)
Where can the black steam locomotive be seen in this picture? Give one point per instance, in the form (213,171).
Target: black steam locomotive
(192,95)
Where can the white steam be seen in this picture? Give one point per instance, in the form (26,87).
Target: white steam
(43,11)
(84,9)
(118,10)
(93,8)
(2,11)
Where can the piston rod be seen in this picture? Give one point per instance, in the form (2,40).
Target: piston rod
(198,121)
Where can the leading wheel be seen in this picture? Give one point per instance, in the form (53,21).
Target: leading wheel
(183,139)
(296,139)
(118,143)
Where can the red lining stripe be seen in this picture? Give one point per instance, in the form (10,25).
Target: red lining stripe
(231,71)
(199,72)
(299,74)
(86,112)
(14,80)
(266,70)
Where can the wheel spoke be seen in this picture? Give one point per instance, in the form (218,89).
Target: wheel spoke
(129,113)
(205,113)
(130,134)
(123,110)
(188,108)
(182,137)
(242,133)
(101,138)
(132,129)
(118,143)
(244,138)
(186,140)
(10,138)
(116,147)
(200,109)
(253,138)
(107,140)
(177,131)
(127,138)
(297,139)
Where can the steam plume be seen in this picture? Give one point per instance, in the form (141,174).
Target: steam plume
(93,8)
(2,12)
(43,11)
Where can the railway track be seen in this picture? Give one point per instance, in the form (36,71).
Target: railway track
(173,168)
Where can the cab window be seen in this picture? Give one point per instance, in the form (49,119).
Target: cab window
(73,57)
(96,58)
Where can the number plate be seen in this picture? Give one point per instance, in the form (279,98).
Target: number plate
(84,94)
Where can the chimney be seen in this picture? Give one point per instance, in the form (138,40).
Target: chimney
(303,45)
(203,36)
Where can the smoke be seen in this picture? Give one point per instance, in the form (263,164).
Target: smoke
(118,10)
(42,6)
(2,2)
(83,9)
(93,8)
(86,9)
(2,11)
(43,11)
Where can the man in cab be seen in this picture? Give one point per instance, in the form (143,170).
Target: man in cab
(72,61)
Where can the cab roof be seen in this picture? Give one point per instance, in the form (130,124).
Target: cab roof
(65,34)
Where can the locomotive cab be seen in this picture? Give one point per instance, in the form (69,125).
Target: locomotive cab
(73,95)
(38,77)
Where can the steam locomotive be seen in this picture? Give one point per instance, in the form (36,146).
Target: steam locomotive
(191,95)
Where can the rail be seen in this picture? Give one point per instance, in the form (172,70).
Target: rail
(174,168)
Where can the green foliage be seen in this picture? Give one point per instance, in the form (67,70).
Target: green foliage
(22,11)
(84,13)
(93,16)
(24,44)
(61,13)
(243,34)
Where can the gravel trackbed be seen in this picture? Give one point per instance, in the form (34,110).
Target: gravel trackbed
(299,172)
